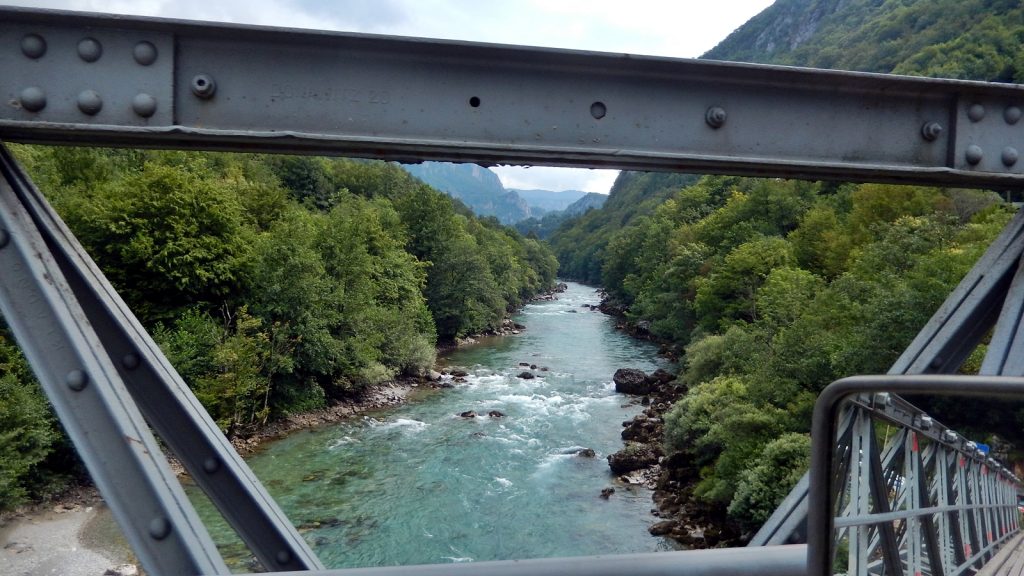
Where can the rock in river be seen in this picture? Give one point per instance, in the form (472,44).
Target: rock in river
(526,375)
(632,457)
(632,381)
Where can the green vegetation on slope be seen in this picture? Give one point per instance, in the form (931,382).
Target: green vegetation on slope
(966,39)
(771,289)
(580,243)
(775,289)
(273,284)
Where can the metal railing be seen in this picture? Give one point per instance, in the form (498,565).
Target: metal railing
(924,501)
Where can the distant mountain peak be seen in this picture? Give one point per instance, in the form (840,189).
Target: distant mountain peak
(477,187)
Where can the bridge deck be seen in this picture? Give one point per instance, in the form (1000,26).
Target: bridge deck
(1009,561)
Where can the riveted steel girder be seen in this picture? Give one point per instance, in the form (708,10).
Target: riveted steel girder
(80,78)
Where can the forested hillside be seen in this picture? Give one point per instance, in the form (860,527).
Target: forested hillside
(966,39)
(273,284)
(771,289)
(476,187)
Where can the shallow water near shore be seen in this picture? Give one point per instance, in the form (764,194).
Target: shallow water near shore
(418,484)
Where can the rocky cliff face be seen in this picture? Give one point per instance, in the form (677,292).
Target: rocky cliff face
(780,28)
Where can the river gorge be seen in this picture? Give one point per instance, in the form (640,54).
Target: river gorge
(420,484)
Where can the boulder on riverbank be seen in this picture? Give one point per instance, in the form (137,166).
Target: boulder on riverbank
(632,457)
(632,381)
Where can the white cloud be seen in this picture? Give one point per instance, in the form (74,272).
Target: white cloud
(678,28)
(557,179)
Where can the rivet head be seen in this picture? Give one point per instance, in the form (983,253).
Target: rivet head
(33,46)
(159,528)
(1012,114)
(203,86)
(144,105)
(1010,156)
(931,131)
(144,53)
(211,464)
(90,49)
(77,380)
(976,112)
(32,99)
(131,361)
(974,154)
(5,238)
(715,117)
(283,557)
(89,102)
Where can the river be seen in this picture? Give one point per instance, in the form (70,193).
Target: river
(418,484)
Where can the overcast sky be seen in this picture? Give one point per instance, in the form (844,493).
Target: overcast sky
(676,28)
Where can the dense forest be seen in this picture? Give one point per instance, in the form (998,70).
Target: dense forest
(770,289)
(273,284)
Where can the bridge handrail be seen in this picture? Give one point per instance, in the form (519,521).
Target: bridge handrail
(962,538)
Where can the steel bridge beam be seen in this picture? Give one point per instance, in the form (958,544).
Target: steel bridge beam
(72,78)
(128,81)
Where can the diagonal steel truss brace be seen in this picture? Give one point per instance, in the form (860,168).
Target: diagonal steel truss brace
(109,383)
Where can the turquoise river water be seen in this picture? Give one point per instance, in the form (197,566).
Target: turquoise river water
(417,484)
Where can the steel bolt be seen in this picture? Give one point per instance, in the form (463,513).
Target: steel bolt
(77,380)
(926,422)
(931,131)
(144,105)
(90,50)
(33,99)
(144,53)
(203,86)
(89,102)
(1010,156)
(715,117)
(1012,114)
(131,361)
(883,398)
(5,238)
(211,464)
(949,436)
(283,557)
(974,154)
(159,528)
(976,112)
(598,110)
(33,46)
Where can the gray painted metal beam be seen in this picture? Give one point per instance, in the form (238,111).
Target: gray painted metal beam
(94,407)
(788,560)
(162,396)
(92,79)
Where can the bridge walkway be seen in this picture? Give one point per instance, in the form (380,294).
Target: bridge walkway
(1009,561)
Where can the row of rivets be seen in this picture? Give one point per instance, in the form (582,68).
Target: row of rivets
(77,380)
(974,154)
(89,49)
(33,99)
(1011,115)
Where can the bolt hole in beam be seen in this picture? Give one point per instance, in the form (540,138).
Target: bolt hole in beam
(474,101)
(598,110)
